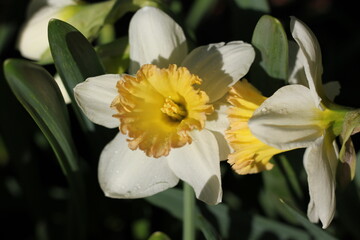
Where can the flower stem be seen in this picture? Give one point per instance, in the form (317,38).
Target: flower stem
(189,213)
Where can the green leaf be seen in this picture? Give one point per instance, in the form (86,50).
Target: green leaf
(197,12)
(276,186)
(314,230)
(256,5)
(261,226)
(75,60)
(37,91)
(221,213)
(171,200)
(270,39)
(291,176)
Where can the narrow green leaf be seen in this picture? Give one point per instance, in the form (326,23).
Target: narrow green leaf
(316,232)
(197,13)
(172,201)
(276,187)
(75,60)
(221,213)
(37,91)
(291,176)
(270,39)
(261,226)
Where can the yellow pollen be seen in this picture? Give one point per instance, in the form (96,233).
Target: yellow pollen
(174,111)
(251,155)
(157,108)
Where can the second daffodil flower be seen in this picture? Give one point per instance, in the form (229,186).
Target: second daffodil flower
(88,18)
(169,129)
(295,116)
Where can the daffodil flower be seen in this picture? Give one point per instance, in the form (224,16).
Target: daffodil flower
(297,116)
(250,154)
(33,39)
(169,110)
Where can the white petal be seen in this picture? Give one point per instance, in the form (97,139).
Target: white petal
(296,67)
(320,164)
(218,120)
(60,84)
(95,95)
(310,56)
(155,38)
(218,123)
(220,65)
(124,173)
(33,37)
(60,2)
(198,164)
(288,119)
(35,5)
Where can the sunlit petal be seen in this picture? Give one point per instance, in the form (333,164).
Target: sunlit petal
(289,119)
(155,38)
(310,56)
(320,162)
(198,164)
(220,65)
(124,173)
(63,90)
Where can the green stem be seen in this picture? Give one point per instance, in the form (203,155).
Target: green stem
(189,213)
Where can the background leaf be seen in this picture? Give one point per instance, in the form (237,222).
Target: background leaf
(171,200)
(75,60)
(37,91)
(270,39)
(317,232)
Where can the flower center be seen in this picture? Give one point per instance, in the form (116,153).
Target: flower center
(158,108)
(250,155)
(174,111)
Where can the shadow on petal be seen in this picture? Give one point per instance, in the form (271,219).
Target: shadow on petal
(211,191)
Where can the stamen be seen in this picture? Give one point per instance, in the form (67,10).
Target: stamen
(175,111)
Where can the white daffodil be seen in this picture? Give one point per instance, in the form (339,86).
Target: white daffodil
(297,116)
(33,39)
(164,110)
